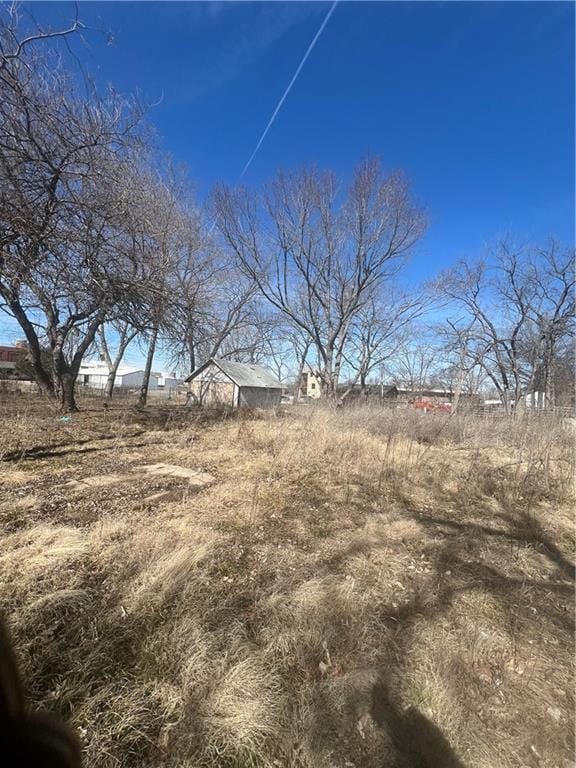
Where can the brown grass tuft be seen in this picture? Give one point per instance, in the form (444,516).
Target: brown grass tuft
(357,587)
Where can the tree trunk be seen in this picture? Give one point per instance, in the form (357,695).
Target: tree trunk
(301,371)
(330,376)
(64,379)
(42,378)
(192,355)
(109,389)
(519,398)
(66,390)
(40,374)
(547,400)
(459,384)
(148,367)
(336,371)
(113,365)
(63,376)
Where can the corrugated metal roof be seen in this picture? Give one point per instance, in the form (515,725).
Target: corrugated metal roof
(242,374)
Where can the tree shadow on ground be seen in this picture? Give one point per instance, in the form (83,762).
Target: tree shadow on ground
(465,557)
(414,736)
(526,531)
(54,449)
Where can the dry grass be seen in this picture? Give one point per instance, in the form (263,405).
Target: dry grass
(357,588)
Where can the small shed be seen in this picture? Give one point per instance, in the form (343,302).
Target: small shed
(226,382)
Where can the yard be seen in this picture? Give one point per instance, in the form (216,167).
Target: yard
(323,589)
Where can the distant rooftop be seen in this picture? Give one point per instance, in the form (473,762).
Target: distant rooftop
(99,368)
(242,374)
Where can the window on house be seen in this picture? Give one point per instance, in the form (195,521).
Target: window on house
(313,385)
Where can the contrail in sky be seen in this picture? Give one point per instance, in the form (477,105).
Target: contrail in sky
(289,88)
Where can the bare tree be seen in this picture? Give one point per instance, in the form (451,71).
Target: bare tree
(169,233)
(125,333)
(378,332)
(299,344)
(551,272)
(516,312)
(317,260)
(462,369)
(155,227)
(282,348)
(214,312)
(190,310)
(415,360)
(61,270)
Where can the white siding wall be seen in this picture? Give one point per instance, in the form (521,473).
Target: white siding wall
(96,380)
(133,380)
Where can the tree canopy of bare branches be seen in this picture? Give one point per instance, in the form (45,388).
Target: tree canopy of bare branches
(99,235)
(319,256)
(61,255)
(517,311)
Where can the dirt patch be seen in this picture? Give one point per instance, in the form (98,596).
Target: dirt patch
(172,494)
(98,481)
(195,477)
(11,477)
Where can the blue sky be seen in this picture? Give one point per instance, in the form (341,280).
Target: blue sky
(474,100)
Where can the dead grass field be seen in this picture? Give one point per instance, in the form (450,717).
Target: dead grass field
(352,588)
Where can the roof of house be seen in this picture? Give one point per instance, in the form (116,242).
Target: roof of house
(242,374)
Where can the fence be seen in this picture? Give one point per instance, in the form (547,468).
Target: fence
(131,394)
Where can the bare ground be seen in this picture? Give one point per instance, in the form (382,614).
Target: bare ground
(355,588)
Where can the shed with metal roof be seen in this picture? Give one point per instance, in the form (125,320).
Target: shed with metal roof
(226,382)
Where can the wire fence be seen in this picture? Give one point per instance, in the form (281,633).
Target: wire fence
(126,394)
(25,394)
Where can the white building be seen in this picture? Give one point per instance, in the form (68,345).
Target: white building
(166,381)
(310,384)
(94,373)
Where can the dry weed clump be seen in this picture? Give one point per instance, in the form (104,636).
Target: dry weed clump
(357,587)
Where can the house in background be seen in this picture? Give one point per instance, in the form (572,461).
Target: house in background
(9,356)
(224,382)
(310,384)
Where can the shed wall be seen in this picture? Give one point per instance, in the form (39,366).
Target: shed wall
(260,397)
(212,392)
(212,387)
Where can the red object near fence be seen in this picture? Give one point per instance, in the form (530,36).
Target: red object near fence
(428,405)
